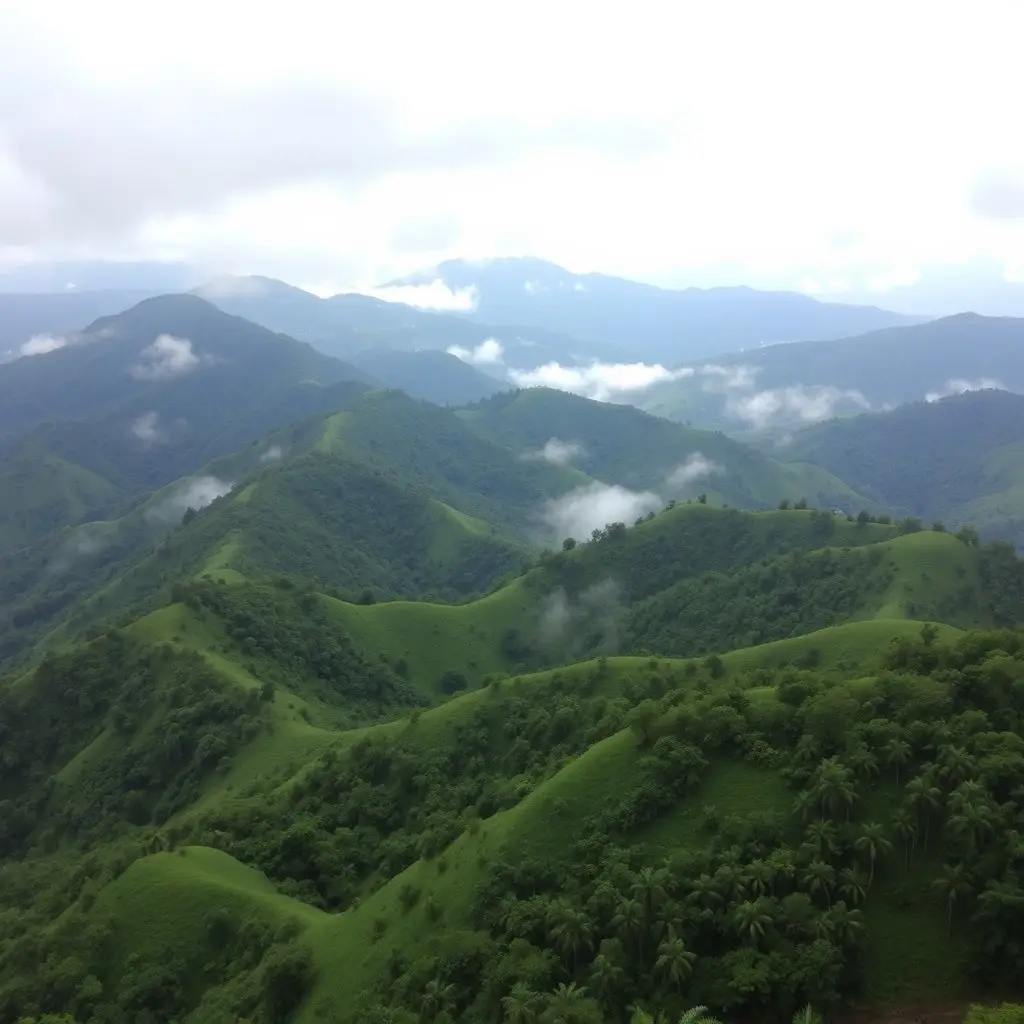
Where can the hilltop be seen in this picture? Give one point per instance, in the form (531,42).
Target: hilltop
(956,459)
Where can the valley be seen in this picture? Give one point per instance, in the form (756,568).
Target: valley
(323,701)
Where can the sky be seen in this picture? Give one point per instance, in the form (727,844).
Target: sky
(839,149)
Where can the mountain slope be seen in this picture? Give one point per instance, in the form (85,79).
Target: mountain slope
(430,374)
(959,460)
(640,321)
(142,399)
(790,386)
(620,445)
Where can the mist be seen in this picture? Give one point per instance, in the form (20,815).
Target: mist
(593,506)
(166,357)
(695,467)
(570,627)
(195,493)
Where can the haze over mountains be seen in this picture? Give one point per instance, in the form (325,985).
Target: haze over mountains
(317,594)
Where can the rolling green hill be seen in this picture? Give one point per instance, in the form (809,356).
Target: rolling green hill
(618,444)
(957,460)
(649,801)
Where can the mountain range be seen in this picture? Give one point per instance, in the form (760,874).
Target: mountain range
(320,700)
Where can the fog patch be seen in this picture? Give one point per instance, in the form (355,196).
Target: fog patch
(273,454)
(595,505)
(196,493)
(40,344)
(799,403)
(695,467)
(599,381)
(559,452)
(960,386)
(436,295)
(148,429)
(718,380)
(489,352)
(167,357)
(585,623)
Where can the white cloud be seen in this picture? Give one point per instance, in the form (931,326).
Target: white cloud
(600,381)
(593,506)
(512,163)
(490,352)
(166,357)
(196,493)
(719,379)
(436,296)
(799,403)
(147,429)
(272,454)
(559,452)
(695,467)
(959,385)
(40,344)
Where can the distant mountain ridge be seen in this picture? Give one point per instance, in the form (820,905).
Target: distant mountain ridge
(641,320)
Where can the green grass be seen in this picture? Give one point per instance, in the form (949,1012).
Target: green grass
(435,638)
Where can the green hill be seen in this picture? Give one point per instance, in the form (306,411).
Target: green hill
(144,398)
(957,460)
(647,801)
(621,445)
(432,375)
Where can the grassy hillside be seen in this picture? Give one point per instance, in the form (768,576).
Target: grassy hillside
(621,445)
(957,460)
(580,825)
(432,375)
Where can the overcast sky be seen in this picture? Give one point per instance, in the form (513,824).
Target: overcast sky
(810,144)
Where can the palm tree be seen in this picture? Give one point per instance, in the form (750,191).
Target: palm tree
(821,835)
(629,921)
(571,933)
(805,804)
(955,765)
(605,977)
(438,998)
(874,842)
(698,1015)
(651,887)
(974,820)
(564,1003)
(760,876)
(820,877)
(953,883)
(853,885)
(522,1004)
(905,829)
(843,925)
(862,762)
(896,754)
(834,787)
(675,961)
(751,921)
(924,798)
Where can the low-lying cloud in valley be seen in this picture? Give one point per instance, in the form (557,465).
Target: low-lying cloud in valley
(800,403)
(435,296)
(274,453)
(600,381)
(570,626)
(559,452)
(695,467)
(490,352)
(148,429)
(196,493)
(960,385)
(593,506)
(40,344)
(166,357)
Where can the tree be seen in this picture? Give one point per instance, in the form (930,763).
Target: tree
(953,883)
(606,977)
(569,543)
(675,961)
(571,933)
(834,787)
(924,798)
(904,827)
(751,921)
(853,885)
(819,877)
(438,998)
(873,842)
(521,1005)
(896,753)
(642,720)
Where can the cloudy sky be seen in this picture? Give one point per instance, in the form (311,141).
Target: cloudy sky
(807,144)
